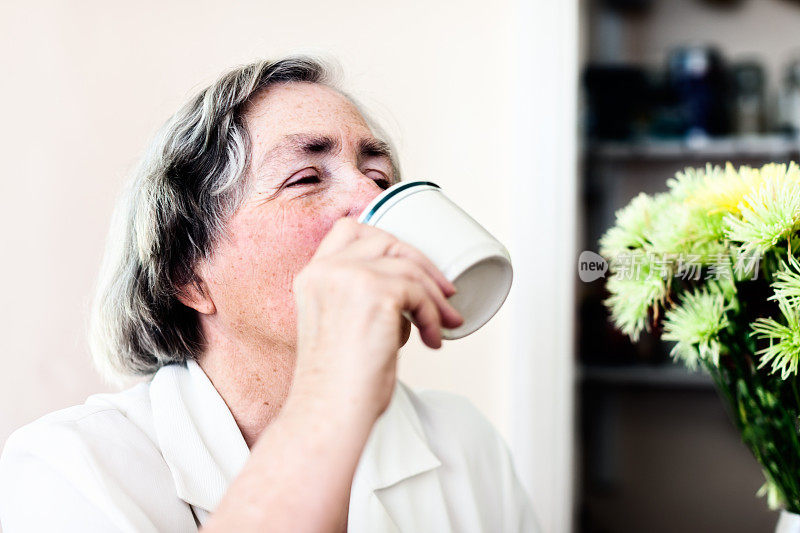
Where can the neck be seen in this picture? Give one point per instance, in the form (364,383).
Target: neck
(253,381)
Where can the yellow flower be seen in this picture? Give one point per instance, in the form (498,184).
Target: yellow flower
(726,190)
(769,213)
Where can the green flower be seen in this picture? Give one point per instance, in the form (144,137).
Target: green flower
(633,223)
(689,181)
(682,229)
(783,351)
(633,294)
(694,325)
(768,214)
(787,283)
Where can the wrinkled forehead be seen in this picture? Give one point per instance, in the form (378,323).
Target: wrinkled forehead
(292,119)
(302,108)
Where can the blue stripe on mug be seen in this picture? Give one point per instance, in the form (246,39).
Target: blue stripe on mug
(393,193)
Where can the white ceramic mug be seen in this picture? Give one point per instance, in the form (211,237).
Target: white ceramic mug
(419,213)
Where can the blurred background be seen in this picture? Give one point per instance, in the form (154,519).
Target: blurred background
(540,118)
(667,84)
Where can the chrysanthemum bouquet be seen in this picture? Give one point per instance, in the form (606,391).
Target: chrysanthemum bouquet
(714,266)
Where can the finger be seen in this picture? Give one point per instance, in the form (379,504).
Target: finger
(382,244)
(404,249)
(343,232)
(366,241)
(392,266)
(414,299)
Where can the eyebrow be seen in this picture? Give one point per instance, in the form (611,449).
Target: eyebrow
(299,144)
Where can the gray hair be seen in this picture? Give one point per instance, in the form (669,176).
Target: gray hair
(190,181)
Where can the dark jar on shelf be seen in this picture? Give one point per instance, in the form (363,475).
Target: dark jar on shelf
(696,75)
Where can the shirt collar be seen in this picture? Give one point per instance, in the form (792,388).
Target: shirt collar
(396,448)
(199,439)
(204,448)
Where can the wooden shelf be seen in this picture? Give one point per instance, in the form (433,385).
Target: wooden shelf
(779,147)
(649,376)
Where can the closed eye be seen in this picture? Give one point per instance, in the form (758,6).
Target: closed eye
(380,178)
(305,180)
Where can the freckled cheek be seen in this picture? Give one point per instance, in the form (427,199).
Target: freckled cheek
(305,239)
(282,254)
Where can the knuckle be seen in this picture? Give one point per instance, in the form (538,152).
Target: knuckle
(396,248)
(345,225)
(353,278)
(379,239)
(365,279)
(388,293)
(387,303)
(383,237)
(410,272)
(415,272)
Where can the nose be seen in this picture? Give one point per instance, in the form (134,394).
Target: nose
(361,192)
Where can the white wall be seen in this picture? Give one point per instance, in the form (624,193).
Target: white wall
(86,83)
(90,82)
(544,232)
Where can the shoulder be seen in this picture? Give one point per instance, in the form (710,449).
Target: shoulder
(95,464)
(108,419)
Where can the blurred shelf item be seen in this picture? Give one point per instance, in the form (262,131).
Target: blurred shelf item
(712,148)
(648,376)
(789,98)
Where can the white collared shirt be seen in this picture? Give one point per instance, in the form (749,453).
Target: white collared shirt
(160,456)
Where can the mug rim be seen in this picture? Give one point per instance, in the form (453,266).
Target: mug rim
(387,195)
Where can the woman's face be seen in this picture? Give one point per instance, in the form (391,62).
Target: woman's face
(314,160)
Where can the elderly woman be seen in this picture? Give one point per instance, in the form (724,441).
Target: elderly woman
(268,322)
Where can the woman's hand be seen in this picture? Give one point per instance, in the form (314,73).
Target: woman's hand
(350,298)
